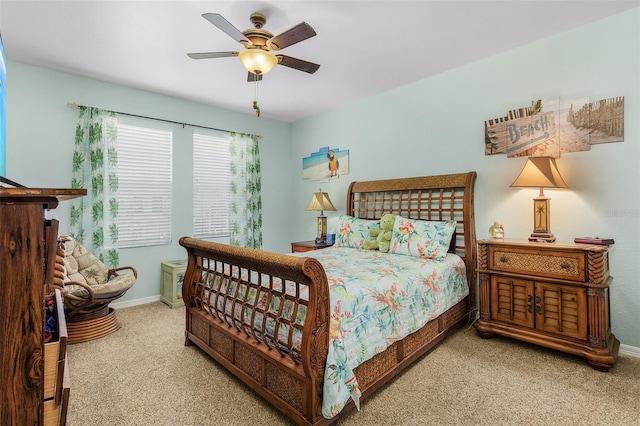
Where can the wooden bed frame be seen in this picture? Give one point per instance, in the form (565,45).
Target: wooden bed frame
(290,376)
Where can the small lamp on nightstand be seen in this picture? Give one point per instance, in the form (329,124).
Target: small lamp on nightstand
(320,202)
(540,172)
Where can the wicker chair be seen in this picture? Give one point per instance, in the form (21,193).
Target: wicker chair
(89,287)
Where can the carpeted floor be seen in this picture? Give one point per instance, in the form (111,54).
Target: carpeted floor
(144,375)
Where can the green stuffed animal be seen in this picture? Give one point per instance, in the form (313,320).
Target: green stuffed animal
(383,235)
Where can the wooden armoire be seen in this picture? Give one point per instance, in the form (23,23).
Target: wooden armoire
(27,257)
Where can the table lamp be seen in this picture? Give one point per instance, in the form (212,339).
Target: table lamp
(540,172)
(320,202)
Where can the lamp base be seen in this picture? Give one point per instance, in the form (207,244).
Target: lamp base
(541,223)
(322,230)
(542,237)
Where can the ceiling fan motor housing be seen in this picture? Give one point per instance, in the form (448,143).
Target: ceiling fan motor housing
(258,37)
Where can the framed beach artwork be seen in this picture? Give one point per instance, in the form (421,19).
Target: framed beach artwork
(326,164)
(550,127)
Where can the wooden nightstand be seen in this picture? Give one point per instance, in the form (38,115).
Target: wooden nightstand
(302,246)
(550,294)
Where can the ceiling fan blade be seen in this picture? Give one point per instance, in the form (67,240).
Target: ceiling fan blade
(209,55)
(297,64)
(217,20)
(300,32)
(251,77)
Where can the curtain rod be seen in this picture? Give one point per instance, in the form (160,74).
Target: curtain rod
(75,105)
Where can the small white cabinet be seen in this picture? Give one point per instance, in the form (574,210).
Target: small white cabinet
(172,277)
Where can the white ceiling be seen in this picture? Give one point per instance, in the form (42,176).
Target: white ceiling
(363,47)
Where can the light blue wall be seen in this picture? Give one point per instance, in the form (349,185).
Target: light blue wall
(437,126)
(41,130)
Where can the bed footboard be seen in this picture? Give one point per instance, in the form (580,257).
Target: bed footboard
(264,317)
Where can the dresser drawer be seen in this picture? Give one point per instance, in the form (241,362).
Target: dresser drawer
(55,412)
(55,354)
(539,262)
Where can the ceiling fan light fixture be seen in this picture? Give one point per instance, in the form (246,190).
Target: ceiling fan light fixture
(258,61)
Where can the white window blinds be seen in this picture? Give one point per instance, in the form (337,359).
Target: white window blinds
(144,175)
(211,186)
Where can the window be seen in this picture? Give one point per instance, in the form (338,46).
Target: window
(144,176)
(211,186)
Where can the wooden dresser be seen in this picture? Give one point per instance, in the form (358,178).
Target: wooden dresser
(550,294)
(29,370)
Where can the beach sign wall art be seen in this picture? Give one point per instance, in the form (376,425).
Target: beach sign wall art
(550,127)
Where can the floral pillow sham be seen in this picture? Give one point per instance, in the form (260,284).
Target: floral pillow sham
(353,231)
(421,238)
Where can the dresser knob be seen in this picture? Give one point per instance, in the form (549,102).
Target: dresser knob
(503,259)
(538,305)
(564,266)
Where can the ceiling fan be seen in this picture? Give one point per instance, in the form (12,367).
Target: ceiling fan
(258,42)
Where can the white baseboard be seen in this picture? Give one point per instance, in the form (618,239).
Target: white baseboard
(630,350)
(135,302)
(624,349)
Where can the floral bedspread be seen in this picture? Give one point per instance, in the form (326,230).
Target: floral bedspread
(376,299)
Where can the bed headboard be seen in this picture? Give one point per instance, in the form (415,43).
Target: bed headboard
(440,197)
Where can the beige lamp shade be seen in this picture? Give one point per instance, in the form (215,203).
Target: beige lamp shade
(320,202)
(540,172)
(258,61)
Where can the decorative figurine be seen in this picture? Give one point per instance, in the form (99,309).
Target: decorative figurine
(496,230)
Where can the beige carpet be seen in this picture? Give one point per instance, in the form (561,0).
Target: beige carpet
(144,375)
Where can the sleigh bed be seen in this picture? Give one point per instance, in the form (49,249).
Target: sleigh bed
(268,318)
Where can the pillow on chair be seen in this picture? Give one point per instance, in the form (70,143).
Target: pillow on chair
(83,266)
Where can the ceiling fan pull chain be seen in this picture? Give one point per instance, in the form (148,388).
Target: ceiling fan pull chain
(255,103)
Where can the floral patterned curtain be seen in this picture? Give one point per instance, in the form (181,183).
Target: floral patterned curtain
(245,215)
(93,221)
